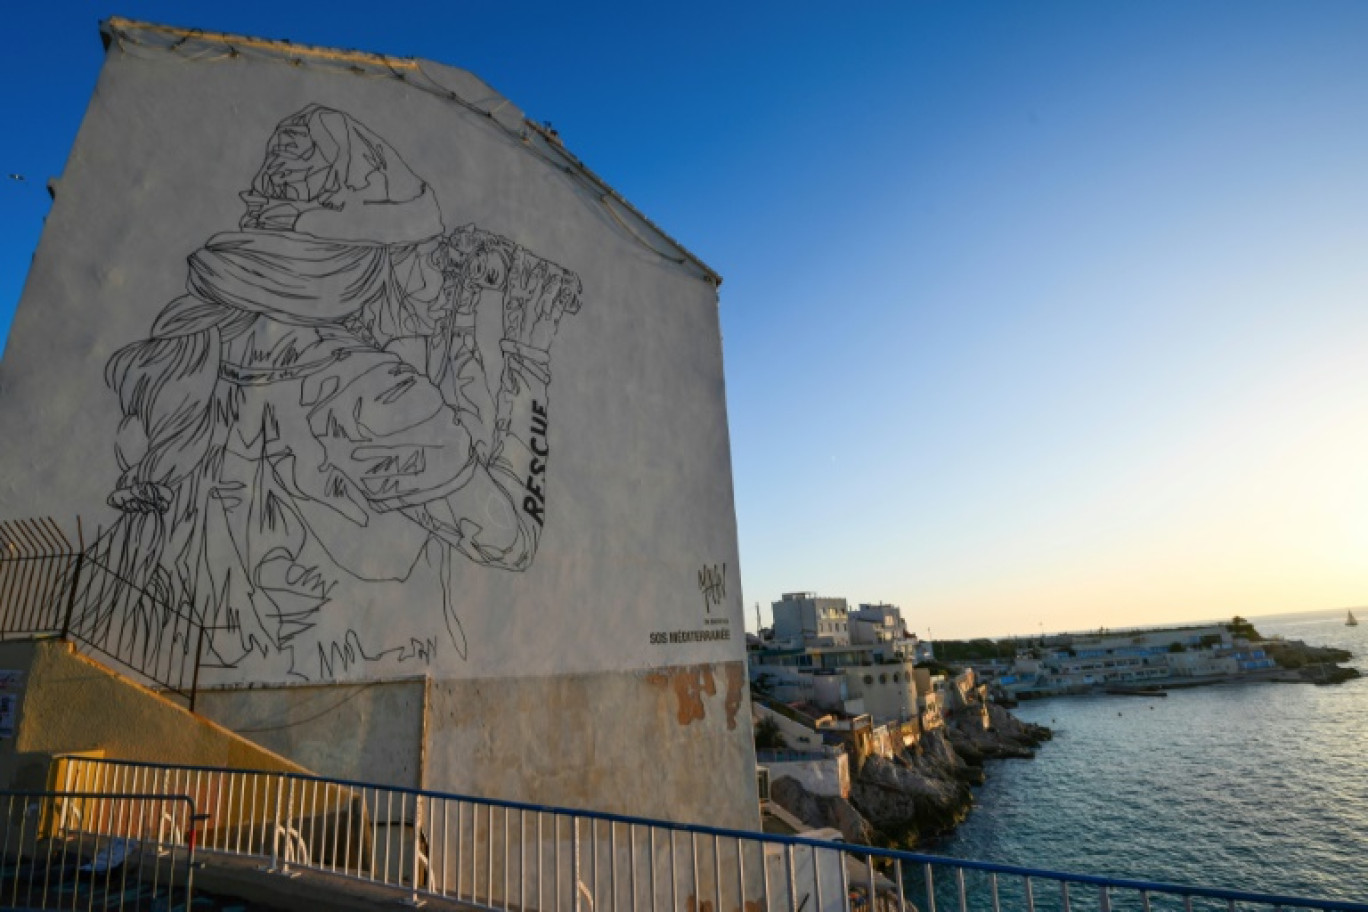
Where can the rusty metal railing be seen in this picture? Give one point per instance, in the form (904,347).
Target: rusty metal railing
(50,588)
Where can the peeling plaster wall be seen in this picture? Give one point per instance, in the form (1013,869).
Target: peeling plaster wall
(670,744)
(378,380)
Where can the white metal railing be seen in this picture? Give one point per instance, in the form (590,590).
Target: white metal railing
(108,849)
(505,855)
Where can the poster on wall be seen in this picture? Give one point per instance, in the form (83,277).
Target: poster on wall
(9,708)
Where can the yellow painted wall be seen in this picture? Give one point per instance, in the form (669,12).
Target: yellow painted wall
(69,703)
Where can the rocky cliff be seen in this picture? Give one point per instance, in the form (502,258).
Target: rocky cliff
(917,794)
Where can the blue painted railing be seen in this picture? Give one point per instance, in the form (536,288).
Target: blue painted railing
(510,855)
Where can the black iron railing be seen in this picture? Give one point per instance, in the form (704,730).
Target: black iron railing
(49,588)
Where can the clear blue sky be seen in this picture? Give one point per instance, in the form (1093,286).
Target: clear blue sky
(1047,314)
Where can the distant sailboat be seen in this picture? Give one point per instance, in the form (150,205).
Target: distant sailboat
(1351,621)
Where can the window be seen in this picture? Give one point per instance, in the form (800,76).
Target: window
(883,679)
(869,679)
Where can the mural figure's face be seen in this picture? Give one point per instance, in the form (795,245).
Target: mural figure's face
(326,174)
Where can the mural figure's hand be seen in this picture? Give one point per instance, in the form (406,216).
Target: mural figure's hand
(539,293)
(480,258)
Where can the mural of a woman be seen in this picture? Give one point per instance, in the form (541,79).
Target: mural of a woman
(317,414)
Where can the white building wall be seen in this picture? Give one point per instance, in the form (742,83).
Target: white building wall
(887,691)
(829,691)
(871,624)
(829,776)
(284,262)
(1198,663)
(815,621)
(797,736)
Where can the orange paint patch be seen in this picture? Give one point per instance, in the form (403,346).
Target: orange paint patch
(736,678)
(690,685)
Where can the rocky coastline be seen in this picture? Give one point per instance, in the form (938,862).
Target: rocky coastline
(1317,664)
(920,793)
(916,795)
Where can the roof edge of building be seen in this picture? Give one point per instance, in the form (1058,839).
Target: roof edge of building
(120,30)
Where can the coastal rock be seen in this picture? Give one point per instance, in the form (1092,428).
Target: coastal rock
(1317,664)
(819,811)
(1296,654)
(1008,736)
(1329,674)
(922,795)
(917,794)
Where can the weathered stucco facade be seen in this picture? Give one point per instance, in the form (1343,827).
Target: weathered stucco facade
(425,424)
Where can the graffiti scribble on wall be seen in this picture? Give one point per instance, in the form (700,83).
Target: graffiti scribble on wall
(712,582)
(317,415)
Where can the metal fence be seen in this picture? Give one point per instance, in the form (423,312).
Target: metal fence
(49,588)
(35,561)
(105,850)
(507,855)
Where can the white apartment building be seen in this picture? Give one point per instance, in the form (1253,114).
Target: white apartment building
(883,625)
(873,624)
(803,618)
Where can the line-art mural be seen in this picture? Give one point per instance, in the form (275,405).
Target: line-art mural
(319,413)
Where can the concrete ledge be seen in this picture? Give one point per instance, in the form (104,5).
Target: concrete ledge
(306,891)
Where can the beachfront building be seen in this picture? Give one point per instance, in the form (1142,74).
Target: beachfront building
(1082,663)
(1102,642)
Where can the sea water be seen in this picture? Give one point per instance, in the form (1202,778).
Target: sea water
(1260,787)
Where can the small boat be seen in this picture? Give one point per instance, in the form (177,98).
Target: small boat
(1351,621)
(1135,690)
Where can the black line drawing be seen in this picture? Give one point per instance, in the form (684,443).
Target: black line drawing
(712,583)
(319,415)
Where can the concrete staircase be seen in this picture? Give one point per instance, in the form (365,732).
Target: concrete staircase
(54,701)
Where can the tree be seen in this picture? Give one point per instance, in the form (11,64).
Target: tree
(1240,627)
(768,735)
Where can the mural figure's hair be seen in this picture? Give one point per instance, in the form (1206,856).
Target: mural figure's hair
(165,386)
